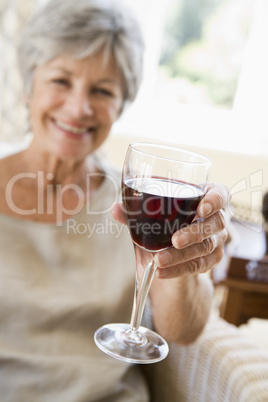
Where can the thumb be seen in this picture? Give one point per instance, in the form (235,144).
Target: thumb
(117,211)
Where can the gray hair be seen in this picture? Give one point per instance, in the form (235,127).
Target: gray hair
(82,28)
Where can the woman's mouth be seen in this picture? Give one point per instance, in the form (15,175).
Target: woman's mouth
(72,128)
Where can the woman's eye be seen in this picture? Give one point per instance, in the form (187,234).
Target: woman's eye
(60,81)
(103,91)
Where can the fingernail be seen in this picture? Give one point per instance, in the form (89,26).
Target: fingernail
(205,209)
(163,258)
(161,273)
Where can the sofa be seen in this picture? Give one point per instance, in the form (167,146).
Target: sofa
(223,365)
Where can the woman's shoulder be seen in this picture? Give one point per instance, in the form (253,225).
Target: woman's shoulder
(6,168)
(9,165)
(10,148)
(10,169)
(6,175)
(10,157)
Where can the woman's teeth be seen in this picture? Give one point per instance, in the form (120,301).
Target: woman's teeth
(72,129)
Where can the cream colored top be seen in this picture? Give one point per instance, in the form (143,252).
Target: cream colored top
(58,284)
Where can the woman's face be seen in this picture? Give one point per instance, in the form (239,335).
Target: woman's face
(74,103)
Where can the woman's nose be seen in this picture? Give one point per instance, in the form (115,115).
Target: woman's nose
(80,105)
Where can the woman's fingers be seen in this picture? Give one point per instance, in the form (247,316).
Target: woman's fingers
(199,230)
(194,266)
(216,198)
(117,211)
(173,256)
(197,248)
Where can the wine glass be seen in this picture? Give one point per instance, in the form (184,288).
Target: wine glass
(161,189)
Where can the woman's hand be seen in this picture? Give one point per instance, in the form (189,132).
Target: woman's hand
(181,306)
(197,247)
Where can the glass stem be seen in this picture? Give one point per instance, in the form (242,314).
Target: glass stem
(140,296)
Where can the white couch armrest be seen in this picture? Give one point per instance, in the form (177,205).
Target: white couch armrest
(223,365)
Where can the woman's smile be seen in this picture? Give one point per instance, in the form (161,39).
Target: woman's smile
(74,103)
(72,129)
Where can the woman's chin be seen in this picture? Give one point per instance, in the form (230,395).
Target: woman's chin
(74,146)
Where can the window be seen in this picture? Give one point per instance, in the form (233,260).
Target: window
(204,74)
(203,49)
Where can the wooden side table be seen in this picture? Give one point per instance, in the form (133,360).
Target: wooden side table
(246,279)
(244,298)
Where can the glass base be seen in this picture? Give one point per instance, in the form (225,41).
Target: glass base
(143,346)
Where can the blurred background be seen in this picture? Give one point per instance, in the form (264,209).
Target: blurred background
(204,58)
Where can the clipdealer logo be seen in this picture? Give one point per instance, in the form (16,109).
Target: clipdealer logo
(252,188)
(50,196)
(106,227)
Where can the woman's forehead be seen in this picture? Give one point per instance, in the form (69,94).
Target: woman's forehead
(100,65)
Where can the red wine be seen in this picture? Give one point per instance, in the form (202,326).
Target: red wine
(158,207)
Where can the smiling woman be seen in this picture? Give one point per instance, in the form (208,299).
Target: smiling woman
(73,104)
(71,271)
(78,73)
(80,63)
